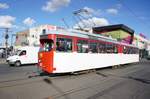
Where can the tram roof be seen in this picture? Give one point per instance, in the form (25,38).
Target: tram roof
(82,34)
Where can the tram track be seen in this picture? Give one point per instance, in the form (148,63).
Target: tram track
(28,80)
(82,88)
(98,94)
(110,77)
(20,83)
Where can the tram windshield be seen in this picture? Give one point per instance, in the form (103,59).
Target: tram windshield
(47,45)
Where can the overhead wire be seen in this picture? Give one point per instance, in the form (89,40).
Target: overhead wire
(134,14)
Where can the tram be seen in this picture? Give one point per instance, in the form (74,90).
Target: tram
(64,51)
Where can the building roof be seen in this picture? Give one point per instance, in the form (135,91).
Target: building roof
(114,27)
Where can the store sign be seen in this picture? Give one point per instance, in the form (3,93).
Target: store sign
(142,35)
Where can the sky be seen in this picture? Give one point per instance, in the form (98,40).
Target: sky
(19,15)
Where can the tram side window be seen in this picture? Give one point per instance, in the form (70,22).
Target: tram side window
(64,44)
(130,50)
(135,51)
(93,47)
(102,48)
(115,49)
(82,46)
(109,48)
(125,50)
(47,45)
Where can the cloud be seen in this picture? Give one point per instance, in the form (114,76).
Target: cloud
(112,11)
(54,5)
(92,22)
(4,6)
(29,21)
(6,21)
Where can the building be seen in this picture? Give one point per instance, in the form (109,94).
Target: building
(30,37)
(22,38)
(120,32)
(143,44)
(140,42)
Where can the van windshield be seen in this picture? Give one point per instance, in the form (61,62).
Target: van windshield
(17,52)
(47,46)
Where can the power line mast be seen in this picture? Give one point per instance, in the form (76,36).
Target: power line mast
(65,23)
(83,14)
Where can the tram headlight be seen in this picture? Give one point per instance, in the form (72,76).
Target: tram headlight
(41,55)
(39,60)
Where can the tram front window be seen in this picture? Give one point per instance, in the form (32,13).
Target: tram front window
(47,46)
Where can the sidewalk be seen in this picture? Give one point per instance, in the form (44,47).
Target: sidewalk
(2,60)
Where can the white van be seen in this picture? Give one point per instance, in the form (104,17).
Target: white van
(24,55)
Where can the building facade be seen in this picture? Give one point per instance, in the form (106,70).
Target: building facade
(143,44)
(30,37)
(120,32)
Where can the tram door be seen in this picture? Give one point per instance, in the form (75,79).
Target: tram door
(46,55)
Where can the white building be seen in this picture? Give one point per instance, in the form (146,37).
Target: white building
(31,36)
(140,42)
(35,32)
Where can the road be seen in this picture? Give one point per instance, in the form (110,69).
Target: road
(127,82)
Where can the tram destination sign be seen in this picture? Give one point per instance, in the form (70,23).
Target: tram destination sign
(44,37)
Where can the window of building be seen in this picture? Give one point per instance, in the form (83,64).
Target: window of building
(82,46)
(44,31)
(64,44)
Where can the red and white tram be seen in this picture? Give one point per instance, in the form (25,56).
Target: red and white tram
(65,51)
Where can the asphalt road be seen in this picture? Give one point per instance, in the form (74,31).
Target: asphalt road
(127,82)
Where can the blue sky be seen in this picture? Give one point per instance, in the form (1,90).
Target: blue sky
(22,14)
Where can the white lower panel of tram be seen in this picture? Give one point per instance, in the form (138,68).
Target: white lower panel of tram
(70,62)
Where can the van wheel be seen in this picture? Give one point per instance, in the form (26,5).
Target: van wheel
(17,63)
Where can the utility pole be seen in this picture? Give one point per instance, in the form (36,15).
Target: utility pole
(6,41)
(6,36)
